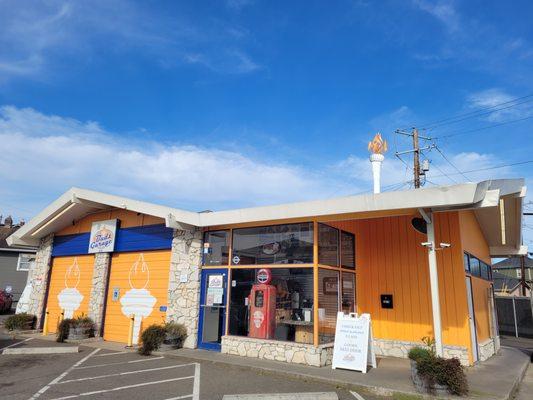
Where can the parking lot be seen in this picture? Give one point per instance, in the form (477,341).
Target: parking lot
(98,373)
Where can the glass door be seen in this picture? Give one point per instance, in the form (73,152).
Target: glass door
(212,308)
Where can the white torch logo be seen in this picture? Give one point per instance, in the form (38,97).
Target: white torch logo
(70,297)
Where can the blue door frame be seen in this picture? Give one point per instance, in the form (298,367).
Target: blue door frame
(203,291)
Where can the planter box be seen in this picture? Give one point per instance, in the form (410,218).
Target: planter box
(422,387)
(79,333)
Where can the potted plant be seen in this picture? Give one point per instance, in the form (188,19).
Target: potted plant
(151,339)
(79,328)
(436,375)
(19,322)
(174,337)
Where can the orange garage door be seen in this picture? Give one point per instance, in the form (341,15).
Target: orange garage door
(138,286)
(70,288)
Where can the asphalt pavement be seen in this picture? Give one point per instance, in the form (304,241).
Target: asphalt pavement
(111,374)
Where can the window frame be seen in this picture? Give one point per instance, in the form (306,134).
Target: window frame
(30,262)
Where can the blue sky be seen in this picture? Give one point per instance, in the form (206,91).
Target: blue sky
(237,103)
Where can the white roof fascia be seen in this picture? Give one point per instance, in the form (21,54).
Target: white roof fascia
(434,197)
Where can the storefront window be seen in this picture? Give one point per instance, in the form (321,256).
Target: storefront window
(278,244)
(347,250)
(475,268)
(328,245)
(485,271)
(216,248)
(348,292)
(466,262)
(280,309)
(328,304)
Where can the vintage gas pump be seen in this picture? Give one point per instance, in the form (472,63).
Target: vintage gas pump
(262,303)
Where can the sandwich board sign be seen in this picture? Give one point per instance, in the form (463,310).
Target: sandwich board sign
(353,343)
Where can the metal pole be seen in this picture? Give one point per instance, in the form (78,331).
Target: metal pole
(514,314)
(434,283)
(416,159)
(523,274)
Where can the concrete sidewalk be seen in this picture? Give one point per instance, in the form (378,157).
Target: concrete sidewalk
(498,378)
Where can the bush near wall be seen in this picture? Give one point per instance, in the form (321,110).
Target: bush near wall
(19,322)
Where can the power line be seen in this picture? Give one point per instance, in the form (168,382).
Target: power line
(443,173)
(452,164)
(486,169)
(477,111)
(457,133)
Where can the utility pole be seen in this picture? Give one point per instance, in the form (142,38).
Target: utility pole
(416,150)
(523,275)
(416,159)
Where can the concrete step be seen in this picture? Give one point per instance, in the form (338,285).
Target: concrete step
(283,396)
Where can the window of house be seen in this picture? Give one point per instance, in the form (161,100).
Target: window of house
(277,244)
(216,248)
(466,261)
(328,245)
(279,310)
(25,261)
(347,250)
(328,304)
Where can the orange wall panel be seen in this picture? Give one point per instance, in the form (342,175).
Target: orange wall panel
(480,288)
(472,238)
(142,279)
(391,260)
(70,283)
(127,219)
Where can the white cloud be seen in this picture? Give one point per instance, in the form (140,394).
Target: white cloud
(443,10)
(36,38)
(500,112)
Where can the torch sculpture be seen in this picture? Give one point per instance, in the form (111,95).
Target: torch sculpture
(138,302)
(70,297)
(377,148)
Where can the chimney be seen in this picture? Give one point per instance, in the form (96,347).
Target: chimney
(8,221)
(377,147)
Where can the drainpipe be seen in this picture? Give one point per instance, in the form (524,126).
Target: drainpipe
(433,280)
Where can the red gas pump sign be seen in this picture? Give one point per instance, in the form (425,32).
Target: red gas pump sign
(262,301)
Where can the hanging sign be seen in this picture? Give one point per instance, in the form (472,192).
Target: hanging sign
(102,239)
(353,343)
(264,275)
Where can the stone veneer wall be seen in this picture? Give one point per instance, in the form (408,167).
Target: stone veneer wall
(488,348)
(400,349)
(98,289)
(38,279)
(307,354)
(296,353)
(184,297)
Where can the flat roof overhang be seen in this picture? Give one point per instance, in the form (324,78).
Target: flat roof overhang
(497,205)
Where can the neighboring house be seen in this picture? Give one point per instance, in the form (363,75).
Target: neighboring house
(15,262)
(508,273)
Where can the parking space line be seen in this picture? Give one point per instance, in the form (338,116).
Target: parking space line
(112,354)
(118,363)
(123,387)
(123,373)
(14,344)
(45,388)
(196,384)
(179,397)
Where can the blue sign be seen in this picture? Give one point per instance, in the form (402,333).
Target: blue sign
(163,308)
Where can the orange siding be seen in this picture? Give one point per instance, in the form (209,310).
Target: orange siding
(65,274)
(480,288)
(127,219)
(154,278)
(391,260)
(472,238)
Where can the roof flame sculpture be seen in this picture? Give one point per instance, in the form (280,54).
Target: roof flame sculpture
(377,145)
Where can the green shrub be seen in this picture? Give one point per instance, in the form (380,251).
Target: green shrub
(446,372)
(151,338)
(19,322)
(175,333)
(417,353)
(63,329)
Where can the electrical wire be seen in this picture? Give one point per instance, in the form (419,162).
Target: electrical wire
(452,164)
(487,168)
(457,133)
(474,113)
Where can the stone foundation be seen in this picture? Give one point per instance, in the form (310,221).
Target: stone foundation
(295,353)
(488,348)
(98,289)
(400,349)
(32,300)
(184,283)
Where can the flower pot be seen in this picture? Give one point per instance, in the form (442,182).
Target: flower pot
(422,386)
